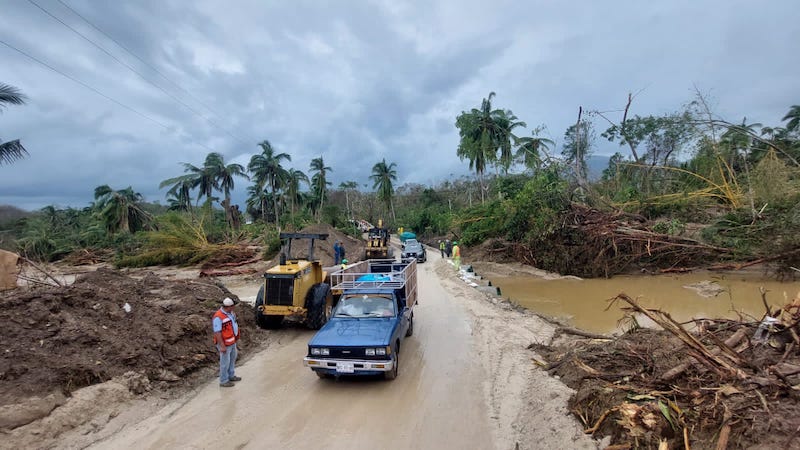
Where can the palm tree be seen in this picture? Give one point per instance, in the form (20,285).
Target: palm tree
(483,133)
(223,174)
(382,177)
(201,179)
(267,171)
(179,195)
(793,116)
(214,175)
(293,180)
(319,181)
(529,150)
(120,210)
(175,202)
(12,150)
(257,201)
(503,133)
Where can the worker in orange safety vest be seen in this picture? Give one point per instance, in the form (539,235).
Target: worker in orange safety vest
(226,333)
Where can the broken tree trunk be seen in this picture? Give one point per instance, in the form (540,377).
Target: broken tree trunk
(732,341)
(700,352)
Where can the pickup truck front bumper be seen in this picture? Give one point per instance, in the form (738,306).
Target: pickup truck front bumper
(348,366)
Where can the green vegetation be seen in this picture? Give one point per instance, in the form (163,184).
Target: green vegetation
(685,189)
(12,150)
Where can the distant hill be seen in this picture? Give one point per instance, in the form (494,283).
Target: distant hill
(596,165)
(10,213)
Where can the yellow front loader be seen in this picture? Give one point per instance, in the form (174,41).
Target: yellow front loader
(295,288)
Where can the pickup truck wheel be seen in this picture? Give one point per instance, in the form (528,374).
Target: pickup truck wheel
(410,329)
(321,374)
(319,305)
(391,375)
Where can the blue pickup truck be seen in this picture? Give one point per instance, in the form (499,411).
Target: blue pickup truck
(374,312)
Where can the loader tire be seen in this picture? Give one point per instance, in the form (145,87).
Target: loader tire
(319,304)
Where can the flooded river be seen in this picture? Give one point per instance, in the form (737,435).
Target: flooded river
(584,302)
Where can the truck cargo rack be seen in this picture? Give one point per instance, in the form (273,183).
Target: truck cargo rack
(362,275)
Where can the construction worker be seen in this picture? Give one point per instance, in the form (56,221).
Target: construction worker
(448,248)
(226,333)
(337,253)
(456,256)
(441,247)
(344,264)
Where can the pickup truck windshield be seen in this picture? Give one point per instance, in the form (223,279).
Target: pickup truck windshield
(365,306)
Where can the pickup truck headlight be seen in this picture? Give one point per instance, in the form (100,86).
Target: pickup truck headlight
(380,351)
(320,351)
(370,352)
(315,351)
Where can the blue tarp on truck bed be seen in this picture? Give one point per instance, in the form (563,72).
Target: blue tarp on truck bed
(407,235)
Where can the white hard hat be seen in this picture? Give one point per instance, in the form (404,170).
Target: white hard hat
(227,301)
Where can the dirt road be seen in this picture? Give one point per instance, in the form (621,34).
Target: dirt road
(458,387)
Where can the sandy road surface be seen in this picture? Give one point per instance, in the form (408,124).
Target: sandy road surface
(437,400)
(467,381)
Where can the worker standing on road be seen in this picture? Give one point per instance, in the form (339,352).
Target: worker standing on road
(344,263)
(456,256)
(226,333)
(337,253)
(441,248)
(448,248)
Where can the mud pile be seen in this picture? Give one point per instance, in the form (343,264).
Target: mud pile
(106,324)
(323,250)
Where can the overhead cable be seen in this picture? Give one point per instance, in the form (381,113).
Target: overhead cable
(132,69)
(132,53)
(70,77)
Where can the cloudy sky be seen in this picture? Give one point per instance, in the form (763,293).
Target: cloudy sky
(355,81)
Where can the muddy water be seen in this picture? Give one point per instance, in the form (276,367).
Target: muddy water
(584,302)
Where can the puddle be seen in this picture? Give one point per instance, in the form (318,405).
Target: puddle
(684,296)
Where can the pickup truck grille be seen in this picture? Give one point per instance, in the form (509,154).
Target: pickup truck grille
(351,353)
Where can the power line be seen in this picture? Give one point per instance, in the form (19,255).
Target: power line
(129,67)
(70,77)
(132,53)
